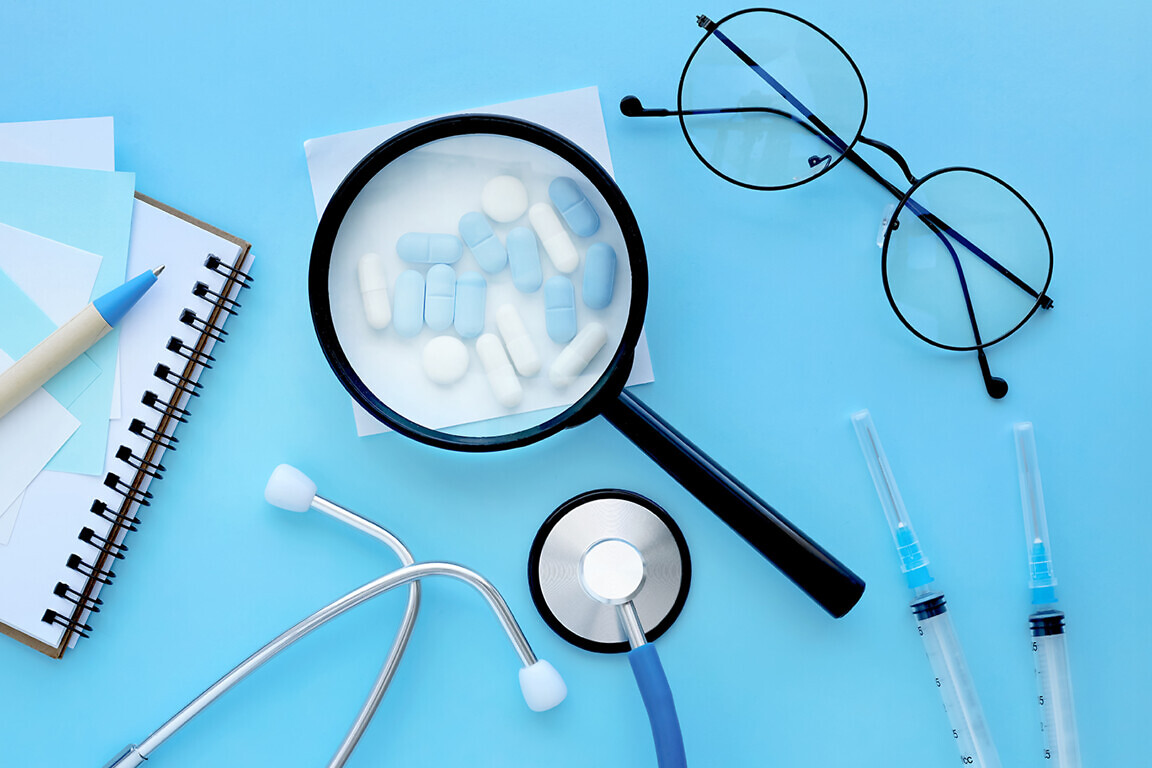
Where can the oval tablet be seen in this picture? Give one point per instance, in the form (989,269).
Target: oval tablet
(374,290)
(524,260)
(520,347)
(574,206)
(482,241)
(504,199)
(574,358)
(408,303)
(440,297)
(425,248)
(445,359)
(560,309)
(556,242)
(471,295)
(599,275)
(501,377)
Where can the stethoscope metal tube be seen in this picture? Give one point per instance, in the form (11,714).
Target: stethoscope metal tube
(541,686)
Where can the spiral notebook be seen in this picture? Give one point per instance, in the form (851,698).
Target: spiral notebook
(71,528)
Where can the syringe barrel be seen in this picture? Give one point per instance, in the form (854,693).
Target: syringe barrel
(1054,680)
(969,728)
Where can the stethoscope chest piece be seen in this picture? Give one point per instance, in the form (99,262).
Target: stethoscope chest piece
(602,548)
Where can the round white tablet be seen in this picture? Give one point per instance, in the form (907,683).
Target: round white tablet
(445,359)
(504,199)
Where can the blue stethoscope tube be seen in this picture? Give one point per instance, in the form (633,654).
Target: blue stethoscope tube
(657,695)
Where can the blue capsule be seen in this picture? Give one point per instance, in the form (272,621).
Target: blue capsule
(471,296)
(560,309)
(599,275)
(440,297)
(524,260)
(482,241)
(574,206)
(425,248)
(408,303)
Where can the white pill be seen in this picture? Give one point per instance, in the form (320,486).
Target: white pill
(445,359)
(574,358)
(501,376)
(374,290)
(555,238)
(504,199)
(520,347)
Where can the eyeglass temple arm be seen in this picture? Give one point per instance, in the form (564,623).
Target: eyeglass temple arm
(995,386)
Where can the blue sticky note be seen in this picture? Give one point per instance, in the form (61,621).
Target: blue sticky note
(23,326)
(90,210)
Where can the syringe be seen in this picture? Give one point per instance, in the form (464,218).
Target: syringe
(962,705)
(1049,649)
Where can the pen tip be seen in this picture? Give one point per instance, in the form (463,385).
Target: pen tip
(158,270)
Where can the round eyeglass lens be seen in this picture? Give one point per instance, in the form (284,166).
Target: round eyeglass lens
(965,259)
(770,101)
(462,299)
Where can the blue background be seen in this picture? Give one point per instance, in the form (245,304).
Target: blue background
(768,328)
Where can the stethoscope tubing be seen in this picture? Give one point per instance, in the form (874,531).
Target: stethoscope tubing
(661,708)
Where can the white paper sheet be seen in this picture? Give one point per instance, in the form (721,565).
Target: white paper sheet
(58,277)
(575,114)
(30,435)
(85,142)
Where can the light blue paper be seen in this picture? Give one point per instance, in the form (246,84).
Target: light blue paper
(23,326)
(91,210)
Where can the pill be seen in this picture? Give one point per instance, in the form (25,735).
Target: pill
(574,358)
(504,199)
(599,275)
(501,377)
(556,242)
(445,359)
(440,297)
(471,292)
(482,241)
(408,303)
(560,309)
(425,248)
(374,290)
(574,206)
(520,347)
(524,260)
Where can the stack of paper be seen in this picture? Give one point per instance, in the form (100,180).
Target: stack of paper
(65,222)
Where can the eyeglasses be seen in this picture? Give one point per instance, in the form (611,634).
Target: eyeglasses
(769,101)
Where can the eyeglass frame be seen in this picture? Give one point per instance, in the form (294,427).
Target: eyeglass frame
(630,106)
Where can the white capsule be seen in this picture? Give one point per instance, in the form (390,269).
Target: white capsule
(374,290)
(445,359)
(574,358)
(520,347)
(501,376)
(555,238)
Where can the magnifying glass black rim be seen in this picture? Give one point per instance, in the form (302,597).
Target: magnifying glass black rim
(615,375)
(537,549)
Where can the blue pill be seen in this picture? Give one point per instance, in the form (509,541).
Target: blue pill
(471,293)
(574,206)
(440,297)
(524,259)
(485,246)
(560,309)
(426,248)
(599,275)
(408,303)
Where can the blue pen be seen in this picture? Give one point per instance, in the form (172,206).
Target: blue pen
(70,340)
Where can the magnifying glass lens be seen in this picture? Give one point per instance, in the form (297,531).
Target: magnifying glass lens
(508,282)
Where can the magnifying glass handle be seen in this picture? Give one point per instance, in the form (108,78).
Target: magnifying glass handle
(826,580)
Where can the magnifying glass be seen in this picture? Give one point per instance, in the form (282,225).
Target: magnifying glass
(450,214)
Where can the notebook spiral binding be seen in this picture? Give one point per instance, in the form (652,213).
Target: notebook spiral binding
(131,491)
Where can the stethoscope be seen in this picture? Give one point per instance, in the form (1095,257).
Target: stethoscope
(603,567)
(290,489)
